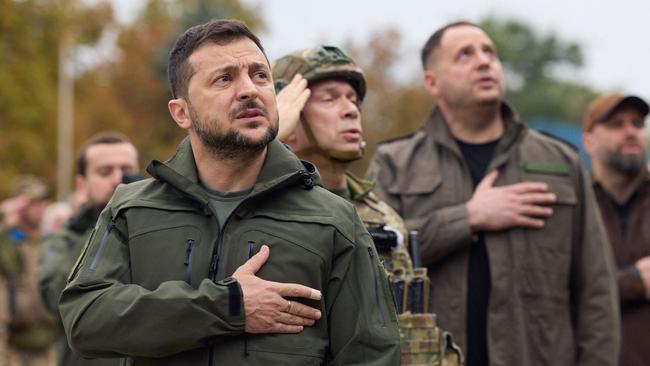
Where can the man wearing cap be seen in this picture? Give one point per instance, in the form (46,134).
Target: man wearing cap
(521,268)
(232,253)
(31,329)
(320,94)
(614,137)
(102,163)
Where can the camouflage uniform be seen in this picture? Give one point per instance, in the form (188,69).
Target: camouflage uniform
(26,329)
(29,328)
(422,342)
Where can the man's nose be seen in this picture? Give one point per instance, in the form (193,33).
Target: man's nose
(246,89)
(350,109)
(117,177)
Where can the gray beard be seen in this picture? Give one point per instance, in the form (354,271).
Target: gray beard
(232,145)
(630,165)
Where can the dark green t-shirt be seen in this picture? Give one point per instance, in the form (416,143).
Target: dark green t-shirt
(224,203)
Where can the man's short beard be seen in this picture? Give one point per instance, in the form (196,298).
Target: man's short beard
(232,145)
(628,165)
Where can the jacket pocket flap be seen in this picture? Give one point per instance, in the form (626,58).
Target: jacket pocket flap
(415,184)
(565,193)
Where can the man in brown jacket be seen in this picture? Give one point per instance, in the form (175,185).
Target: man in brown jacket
(614,138)
(521,268)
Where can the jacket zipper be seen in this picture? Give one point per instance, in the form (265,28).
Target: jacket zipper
(380,315)
(102,245)
(251,245)
(214,265)
(188,260)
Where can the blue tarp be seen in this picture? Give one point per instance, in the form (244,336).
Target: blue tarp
(569,132)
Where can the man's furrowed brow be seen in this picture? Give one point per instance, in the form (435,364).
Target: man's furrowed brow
(258,66)
(234,68)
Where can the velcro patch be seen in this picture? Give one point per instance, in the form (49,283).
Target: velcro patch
(546,168)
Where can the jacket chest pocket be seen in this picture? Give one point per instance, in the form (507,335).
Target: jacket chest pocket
(548,250)
(292,258)
(168,253)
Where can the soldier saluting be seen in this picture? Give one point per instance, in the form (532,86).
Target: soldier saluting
(321,91)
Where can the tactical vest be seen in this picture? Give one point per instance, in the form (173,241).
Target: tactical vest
(422,342)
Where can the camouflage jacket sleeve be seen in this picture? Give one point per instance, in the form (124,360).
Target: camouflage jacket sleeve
(99,304)
(593,280)
(442,231)
(361,312)
(55,263)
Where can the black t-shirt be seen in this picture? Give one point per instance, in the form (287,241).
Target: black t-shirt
(477,157)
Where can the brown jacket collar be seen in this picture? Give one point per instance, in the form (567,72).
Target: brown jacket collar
(437,129)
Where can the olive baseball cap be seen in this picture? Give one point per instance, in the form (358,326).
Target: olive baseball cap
(602,108)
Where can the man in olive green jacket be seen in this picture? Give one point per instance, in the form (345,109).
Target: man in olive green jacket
(101,164)
(222,257)
(521,268)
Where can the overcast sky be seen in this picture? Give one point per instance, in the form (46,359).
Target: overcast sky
(614,35)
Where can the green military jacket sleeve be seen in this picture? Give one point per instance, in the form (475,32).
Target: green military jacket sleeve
(57,259)
(106,315)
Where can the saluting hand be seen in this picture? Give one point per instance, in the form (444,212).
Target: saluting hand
(516,205)
(291,101)
(267,310)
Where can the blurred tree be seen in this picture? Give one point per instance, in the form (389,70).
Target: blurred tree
(392,107)
(30,31)
(532,62)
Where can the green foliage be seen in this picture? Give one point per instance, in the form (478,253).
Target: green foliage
(29,37)
(127,94)
(530,60)
(391,107)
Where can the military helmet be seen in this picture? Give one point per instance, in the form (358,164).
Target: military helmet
(316,64)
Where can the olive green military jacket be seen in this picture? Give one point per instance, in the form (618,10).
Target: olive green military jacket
(154,281)
(553,298)
(58,255)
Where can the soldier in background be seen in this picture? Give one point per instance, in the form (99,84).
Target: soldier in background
(320,94)
(614,138)
(29,328)
(102,163)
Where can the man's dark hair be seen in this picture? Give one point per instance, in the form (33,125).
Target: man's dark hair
(219,31)
(433,42)
(99,138)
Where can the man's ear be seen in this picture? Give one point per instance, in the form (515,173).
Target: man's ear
(430,82)
(80,183)
(180,112)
